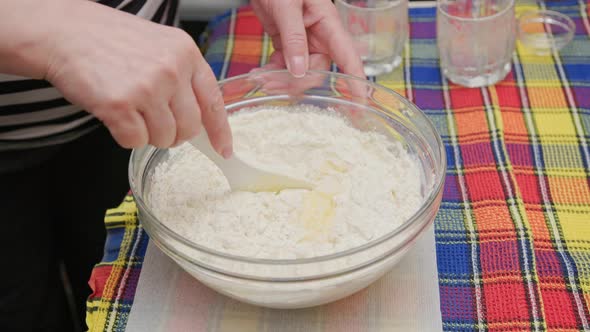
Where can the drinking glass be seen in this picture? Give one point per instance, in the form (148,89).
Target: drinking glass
(379,29)
(475,40)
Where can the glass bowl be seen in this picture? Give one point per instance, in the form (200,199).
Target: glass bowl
(543,31)
(297,283)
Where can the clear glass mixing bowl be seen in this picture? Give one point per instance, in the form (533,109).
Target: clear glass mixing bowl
(312,281)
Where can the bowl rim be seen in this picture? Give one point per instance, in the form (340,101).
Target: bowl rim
(549,18)
(444,12)
(351,7)
(424,207)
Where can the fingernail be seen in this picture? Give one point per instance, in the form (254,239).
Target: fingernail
(296,66)
(254,70)
(227,152)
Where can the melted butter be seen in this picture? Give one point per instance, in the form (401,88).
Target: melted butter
(331,166)
(317,214)
(319,208)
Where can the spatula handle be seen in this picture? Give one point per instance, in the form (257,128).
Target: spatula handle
(202,143)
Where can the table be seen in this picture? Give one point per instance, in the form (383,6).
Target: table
(513,231)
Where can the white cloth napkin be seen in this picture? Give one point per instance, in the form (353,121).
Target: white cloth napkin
(406,299)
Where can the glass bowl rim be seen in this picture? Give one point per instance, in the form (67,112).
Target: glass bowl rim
(439,7)
(390,5)
(424,207)
(547,17)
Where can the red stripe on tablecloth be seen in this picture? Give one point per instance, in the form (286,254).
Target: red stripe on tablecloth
(98,280)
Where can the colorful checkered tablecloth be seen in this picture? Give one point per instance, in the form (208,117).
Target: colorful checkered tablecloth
(513,231)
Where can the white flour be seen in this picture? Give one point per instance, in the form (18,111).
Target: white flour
(366,185)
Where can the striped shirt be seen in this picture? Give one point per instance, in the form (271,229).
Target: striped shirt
(34,114)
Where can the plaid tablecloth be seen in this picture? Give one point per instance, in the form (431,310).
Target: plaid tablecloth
(513,231)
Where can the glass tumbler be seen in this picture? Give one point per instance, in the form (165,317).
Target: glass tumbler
(476,39)
(379,29)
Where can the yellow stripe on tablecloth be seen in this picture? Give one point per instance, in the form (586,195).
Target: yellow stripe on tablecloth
(576,229)
(548,88)
(98,318)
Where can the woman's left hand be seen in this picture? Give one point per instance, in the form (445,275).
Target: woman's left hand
(307,34)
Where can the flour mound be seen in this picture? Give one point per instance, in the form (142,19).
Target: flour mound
(366,185)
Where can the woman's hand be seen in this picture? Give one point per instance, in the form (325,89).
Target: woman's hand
(306,34)
(148,83)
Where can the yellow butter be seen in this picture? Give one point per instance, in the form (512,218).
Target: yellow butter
(317,213)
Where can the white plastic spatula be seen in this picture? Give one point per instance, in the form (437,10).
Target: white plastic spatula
(244,177)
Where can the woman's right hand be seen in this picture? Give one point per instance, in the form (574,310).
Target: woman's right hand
(148,83)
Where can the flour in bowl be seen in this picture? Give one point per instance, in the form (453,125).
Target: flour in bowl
(366,185)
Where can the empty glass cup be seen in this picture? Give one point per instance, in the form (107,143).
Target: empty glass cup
(379,29)
(476,40)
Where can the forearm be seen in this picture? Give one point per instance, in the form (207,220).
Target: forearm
(27,31)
